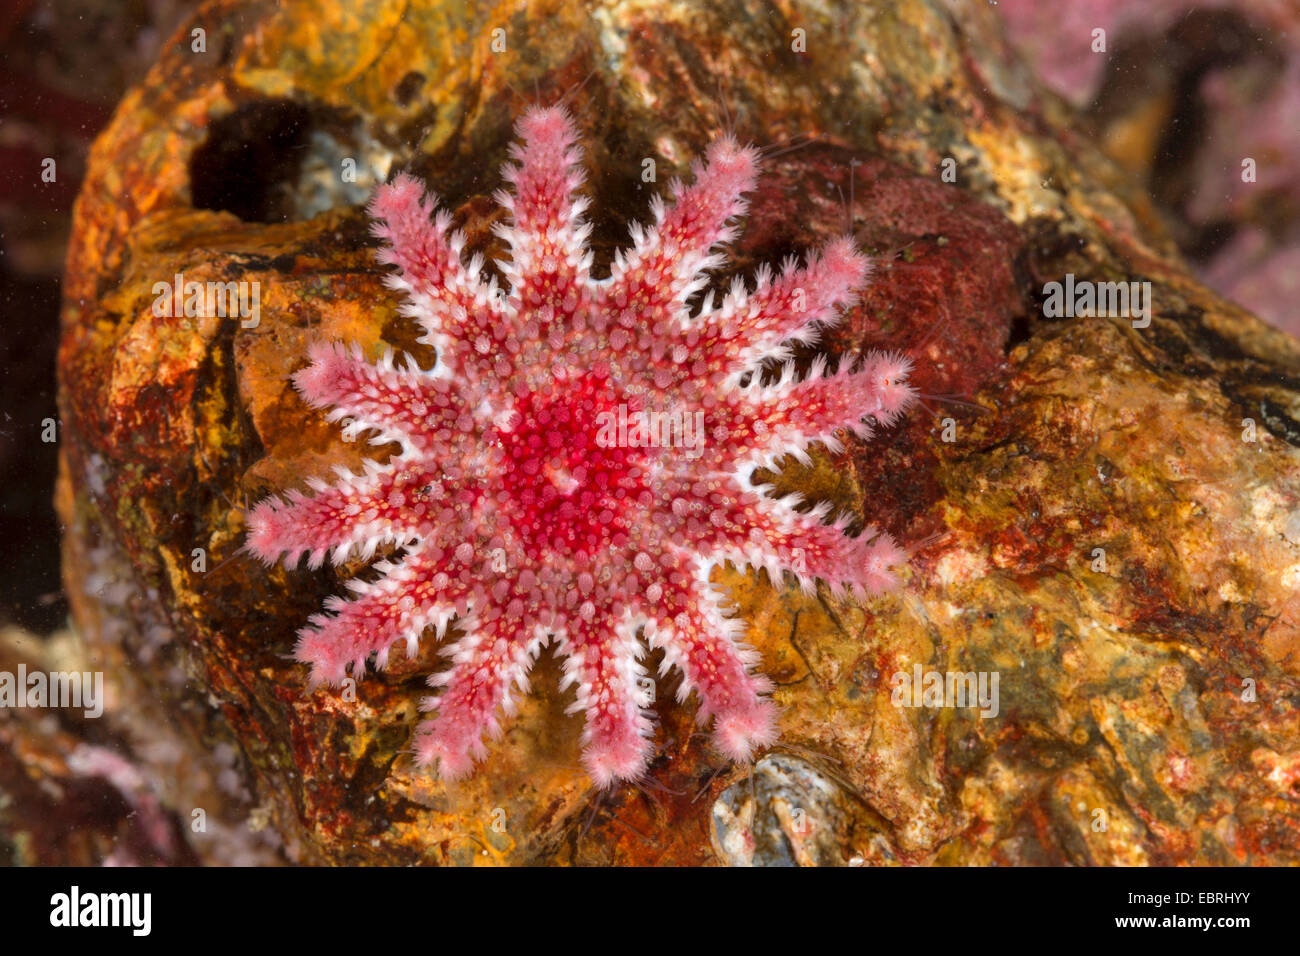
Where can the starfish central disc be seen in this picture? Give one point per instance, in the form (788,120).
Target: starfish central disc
(563,465)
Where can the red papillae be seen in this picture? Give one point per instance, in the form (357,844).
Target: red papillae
(578,459)
(569,493)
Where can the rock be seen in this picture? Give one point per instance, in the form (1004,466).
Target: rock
(1098,520)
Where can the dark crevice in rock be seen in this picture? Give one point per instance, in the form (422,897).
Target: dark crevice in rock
(247,155)
(275,160)
(408,87)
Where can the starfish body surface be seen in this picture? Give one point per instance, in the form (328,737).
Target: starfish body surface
(579,458)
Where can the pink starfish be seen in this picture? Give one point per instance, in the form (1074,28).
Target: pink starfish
(579,459)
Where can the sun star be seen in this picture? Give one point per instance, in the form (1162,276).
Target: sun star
(580,458)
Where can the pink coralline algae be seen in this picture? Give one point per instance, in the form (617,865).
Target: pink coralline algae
(580,457)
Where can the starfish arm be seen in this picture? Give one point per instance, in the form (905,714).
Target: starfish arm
(388,504)
(719,668)
(428,587)
(550,266)
(460,313)
(602,659)
(748,326)
(763,422)
(750,529)
(488,663)
(649,284)
(421,410)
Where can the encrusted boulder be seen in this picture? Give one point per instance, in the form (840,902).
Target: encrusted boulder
(1101,509)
